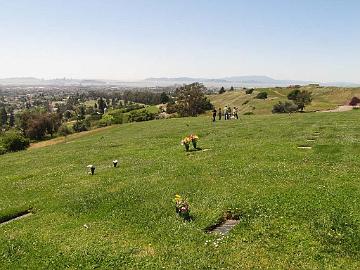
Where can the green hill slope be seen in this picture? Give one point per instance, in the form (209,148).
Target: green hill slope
(324,98)
(299,208)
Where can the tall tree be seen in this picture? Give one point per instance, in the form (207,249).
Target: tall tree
(300,98)
(164,98)
(12,119)
(3,116)
(222,90)
(101,105)
(191,100)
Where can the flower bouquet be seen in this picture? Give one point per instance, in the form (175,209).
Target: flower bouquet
(186,142)
(182,207)
(194,139)
(190,139)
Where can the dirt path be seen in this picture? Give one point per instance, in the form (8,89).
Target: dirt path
(277,92)
(343,108)
(69,138)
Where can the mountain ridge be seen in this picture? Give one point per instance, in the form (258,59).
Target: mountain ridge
(236,81)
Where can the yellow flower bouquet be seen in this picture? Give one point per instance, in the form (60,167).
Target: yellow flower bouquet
(186,142)
(182,207)
(190,139)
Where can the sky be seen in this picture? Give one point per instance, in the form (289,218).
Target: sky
(315,40)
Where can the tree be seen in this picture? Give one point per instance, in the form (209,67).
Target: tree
(284,107)
(293,94)
(231,88)
(13,141)
(36,128)
(24,119)
(114,102)
(191,100)
(12,119)
(101,105)
(81,113)
(53,122)
(68,114)
(222,90)
(300,98)
(262,95)
(164,98)
(35,125)
(3,116)
(81,125)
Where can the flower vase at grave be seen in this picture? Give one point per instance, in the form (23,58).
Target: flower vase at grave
(184,214)
(187,147)
(115,162)
(92,170)
(194,144)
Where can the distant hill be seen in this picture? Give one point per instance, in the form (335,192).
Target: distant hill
(324,98)
(245,81)
(236,81)
(57,82)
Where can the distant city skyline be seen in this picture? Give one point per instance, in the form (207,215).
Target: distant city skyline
(133,40)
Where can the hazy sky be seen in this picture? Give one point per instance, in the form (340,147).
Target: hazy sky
(127,40)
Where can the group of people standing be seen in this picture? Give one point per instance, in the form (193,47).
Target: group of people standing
(227,112)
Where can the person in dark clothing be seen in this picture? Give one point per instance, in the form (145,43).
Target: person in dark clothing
(219,113)
(235,111)
(214,115)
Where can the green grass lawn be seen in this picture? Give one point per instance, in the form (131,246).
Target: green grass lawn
(300,209)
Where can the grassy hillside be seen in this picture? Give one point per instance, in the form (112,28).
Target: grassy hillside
(299,208)
(324,98)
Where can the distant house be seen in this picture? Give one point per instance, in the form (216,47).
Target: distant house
(314,84)
(294,86)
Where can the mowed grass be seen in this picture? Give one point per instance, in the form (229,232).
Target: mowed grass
(324,98)
(300,209)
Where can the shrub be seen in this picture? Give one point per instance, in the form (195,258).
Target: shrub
(293,94)
(284,107)
(117,115)
(262,95)
(354,101)
(64,130)
(13,141)
(94,116)
(106,120)
(249,91)
(80,126)
(139,116)
(245,102)
(300,98)
(2,150)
